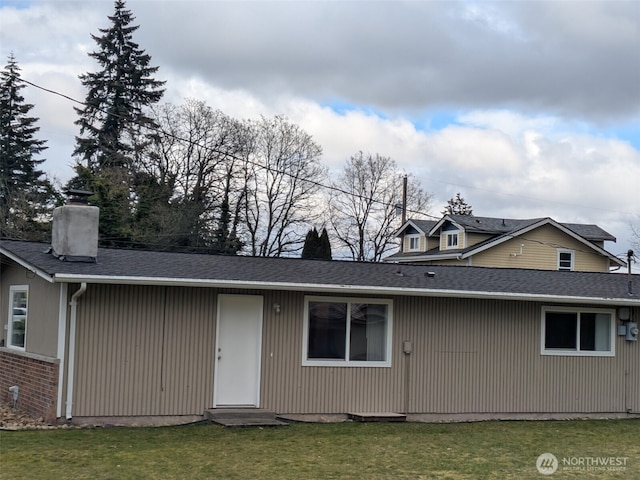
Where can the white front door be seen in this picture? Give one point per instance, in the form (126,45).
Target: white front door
(238,350)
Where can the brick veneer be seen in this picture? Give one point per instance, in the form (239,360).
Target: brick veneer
(37,379)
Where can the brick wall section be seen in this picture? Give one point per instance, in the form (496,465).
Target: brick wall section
(37,379)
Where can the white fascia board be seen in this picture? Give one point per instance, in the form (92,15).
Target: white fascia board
(27,265)
(586,242)
(337,288)
(407,224)
(427,258)
(438,225)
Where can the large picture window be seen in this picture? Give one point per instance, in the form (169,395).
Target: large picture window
(570,331)
(347,332)
(18,306)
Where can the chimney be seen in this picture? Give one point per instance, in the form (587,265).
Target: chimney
(74,236)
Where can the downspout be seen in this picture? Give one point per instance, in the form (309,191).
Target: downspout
(72,346)
(62,339)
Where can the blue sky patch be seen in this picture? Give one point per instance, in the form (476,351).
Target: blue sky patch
(342,107)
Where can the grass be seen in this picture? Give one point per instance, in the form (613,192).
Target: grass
(485,450)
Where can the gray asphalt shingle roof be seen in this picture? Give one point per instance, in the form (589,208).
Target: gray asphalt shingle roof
(138,266)
(424,225)
(500,226)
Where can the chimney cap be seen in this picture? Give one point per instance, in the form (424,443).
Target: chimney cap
(77,196)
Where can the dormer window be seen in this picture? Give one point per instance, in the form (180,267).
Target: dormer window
(452,239)
(413,243)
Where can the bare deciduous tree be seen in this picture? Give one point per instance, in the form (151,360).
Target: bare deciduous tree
(199,172)
(285,166)
(635,235)
(362,205)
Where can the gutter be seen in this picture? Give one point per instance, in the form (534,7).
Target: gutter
(425,258)
(341,288)
(72,347)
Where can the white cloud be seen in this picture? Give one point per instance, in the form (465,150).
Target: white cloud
(534,82)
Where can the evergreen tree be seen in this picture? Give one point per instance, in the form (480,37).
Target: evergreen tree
(114,122)
(225,238)
(457,206)
(324,246)
(26,195)
(311,243)
(317,246)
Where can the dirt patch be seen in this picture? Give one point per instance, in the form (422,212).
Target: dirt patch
(15,419)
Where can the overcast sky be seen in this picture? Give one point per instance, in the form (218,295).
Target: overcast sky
(528,109)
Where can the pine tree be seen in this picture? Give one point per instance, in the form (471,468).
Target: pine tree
(114,124)
(26,195)
(113,119)
(457,206)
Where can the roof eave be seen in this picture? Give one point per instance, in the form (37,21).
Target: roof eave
(406,224)
(341,288)
(428,258)
(23,263)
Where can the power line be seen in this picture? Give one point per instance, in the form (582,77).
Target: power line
(230,155)
(313,182)
(284,172)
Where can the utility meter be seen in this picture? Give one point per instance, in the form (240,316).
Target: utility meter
(632,331)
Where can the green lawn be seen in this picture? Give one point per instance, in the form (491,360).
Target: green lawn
(321,451)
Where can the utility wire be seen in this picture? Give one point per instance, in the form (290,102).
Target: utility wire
(230,155)
(275,170)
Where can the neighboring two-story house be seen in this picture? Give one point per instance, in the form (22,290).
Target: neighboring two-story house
(539,243)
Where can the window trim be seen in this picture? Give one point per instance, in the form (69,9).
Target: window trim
(452,234)
(346,362)
(577,352)
(410,237)
(13,289)
(573,258)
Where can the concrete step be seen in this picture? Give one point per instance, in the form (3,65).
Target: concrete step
(243,417)
(377,417)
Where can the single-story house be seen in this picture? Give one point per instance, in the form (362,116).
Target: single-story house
(92,332)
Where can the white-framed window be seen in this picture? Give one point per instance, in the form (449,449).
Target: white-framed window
(565,259)
(578,331)
(18,310)
(452,239)
(347,332)
(413,243)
